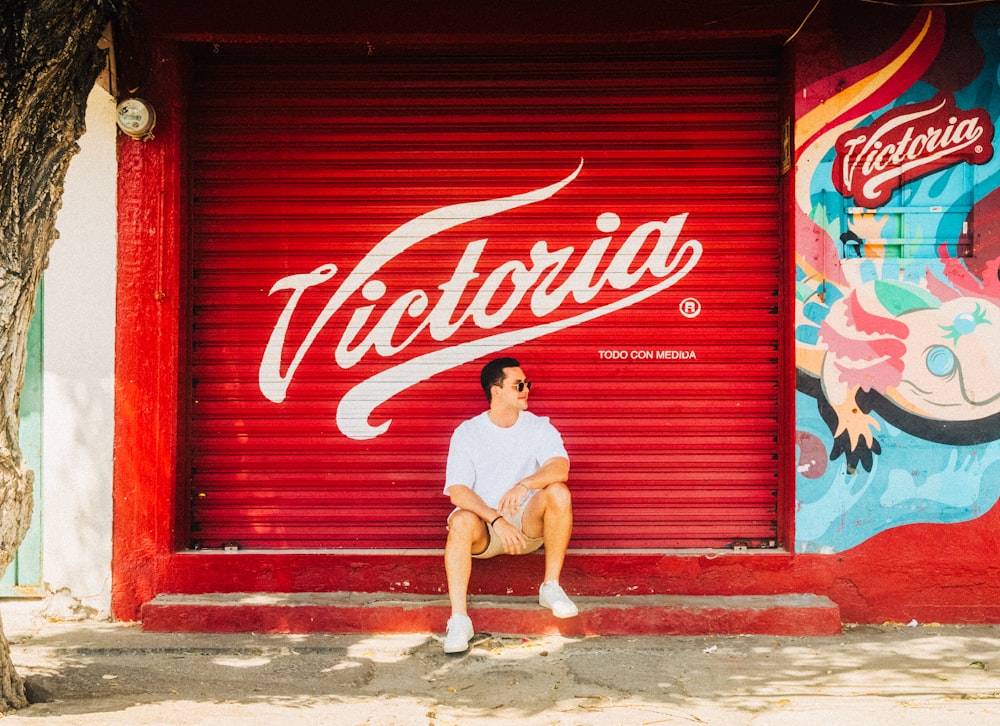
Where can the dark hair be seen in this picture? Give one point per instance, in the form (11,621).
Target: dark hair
(492,374)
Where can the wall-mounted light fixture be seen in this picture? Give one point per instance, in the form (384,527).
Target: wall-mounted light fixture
(136,118)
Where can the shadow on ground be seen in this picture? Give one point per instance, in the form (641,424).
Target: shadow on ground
(114,672)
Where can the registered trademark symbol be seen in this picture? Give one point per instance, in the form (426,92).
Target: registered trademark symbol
(690,307)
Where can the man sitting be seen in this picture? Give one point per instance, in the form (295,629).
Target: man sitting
(506,475)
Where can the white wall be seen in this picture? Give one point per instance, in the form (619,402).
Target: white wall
(78,379)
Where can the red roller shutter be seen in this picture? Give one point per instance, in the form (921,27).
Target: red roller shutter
(629,257)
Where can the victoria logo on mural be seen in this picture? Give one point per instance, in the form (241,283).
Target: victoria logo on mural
(632,266)
(907,143)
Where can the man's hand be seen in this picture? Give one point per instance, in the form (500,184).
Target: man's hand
(511,501)
(513,541)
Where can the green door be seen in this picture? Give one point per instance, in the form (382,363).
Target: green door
(24,576)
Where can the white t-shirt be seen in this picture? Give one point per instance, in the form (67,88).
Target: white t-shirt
(490,459)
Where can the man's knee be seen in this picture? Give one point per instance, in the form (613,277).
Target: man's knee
(559,497)
(464,526)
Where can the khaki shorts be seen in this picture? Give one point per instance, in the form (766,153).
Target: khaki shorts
(495,546)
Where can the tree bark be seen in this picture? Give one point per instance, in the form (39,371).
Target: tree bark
(49,61)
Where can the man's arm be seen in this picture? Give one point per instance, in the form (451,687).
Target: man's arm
(463,497)
(553,471)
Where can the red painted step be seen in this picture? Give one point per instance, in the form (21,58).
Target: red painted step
(789,614)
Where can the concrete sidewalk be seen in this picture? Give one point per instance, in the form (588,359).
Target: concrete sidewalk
(101,673)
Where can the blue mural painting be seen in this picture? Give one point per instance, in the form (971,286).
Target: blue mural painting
(898,293)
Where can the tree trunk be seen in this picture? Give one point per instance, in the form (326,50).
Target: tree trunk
(49,60)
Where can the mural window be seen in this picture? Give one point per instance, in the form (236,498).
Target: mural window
(915,223)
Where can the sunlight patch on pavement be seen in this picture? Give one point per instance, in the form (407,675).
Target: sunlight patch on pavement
(343,666)
(387,648)
(231,661)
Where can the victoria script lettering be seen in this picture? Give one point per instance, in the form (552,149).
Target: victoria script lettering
(907,143)
(648,261)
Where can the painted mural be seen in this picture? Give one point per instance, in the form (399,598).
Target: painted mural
(898,288)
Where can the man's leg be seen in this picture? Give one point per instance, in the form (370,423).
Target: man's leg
(466,535)
(549,515)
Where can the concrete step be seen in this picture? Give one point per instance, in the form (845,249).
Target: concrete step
(342,612)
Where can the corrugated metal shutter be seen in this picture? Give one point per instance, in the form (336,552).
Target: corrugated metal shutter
(303,162)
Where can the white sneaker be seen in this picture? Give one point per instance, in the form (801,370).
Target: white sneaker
(551,596)
(459,634)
